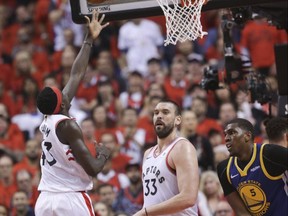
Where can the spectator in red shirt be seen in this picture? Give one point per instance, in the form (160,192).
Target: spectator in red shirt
(153,90)
(8,29)
(130,137)
(6,71)
(195,68)
(176,84)
(88,130)
(20,204)
(119,160)
(257,42)
(26,101)
(3,210)
(227,112)
(7,99)
(134,96)
(154,68)
(11,137)
(25,183)
(199,107)
(145,121)
(7,182)
(25,36)
(23,68)
(30,161)
(101,121)
(110,176)
(105,97)
(201,143)
(88,90)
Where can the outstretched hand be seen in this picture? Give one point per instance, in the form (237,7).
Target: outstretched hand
(101,149)
(95,26)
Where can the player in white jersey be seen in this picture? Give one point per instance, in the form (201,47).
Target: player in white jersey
(66,163)
(170,169)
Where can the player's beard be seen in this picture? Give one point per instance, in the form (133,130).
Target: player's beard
(134,180)
(33,157)
(164,131)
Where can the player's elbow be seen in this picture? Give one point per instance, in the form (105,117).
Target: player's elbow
(94,169)
(189,201)
(93,172)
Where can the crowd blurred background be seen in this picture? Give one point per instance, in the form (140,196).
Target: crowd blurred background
(129,72)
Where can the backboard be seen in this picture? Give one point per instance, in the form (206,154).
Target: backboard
(129,9)
(114,9)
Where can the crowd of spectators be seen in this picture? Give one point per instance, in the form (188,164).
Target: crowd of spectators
(129,72)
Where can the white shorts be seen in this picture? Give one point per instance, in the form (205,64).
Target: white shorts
(62,204)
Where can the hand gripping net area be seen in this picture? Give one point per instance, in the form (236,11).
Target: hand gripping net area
(182,20)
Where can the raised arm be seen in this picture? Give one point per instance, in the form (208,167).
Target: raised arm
(80,64)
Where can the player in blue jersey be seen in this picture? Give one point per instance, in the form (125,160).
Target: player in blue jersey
(252,176)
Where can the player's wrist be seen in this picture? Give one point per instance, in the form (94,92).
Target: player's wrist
(85,42)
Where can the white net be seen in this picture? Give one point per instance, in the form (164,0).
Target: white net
(182,20)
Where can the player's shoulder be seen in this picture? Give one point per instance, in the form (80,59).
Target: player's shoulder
(182,141)
(147,151)
(222,166)
(183,145)
(67,124)
(273,150)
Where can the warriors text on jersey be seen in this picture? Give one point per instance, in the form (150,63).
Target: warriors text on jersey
(262,193)
(60,171)
(160,181)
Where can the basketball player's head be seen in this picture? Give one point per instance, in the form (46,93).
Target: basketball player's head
(50,101)
(244,125)
(166,118)
(238,134)
(277,131)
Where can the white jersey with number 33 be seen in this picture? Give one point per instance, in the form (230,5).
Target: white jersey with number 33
(60,171)
(160,181)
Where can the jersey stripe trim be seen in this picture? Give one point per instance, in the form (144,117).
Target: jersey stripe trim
(228,169)
(88,203)
(173,171)
(246,168)
(264,168)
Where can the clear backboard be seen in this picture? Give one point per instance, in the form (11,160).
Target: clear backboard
(114,9)
(129,9)
(275,10)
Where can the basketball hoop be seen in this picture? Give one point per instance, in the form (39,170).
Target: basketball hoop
(182,20)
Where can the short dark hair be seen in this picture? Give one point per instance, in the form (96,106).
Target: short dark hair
(47,101)
(276,127)
(244,124)
(135,74)
(103,185)
(178,110)
(132,165)
(154,60)
(104,81)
